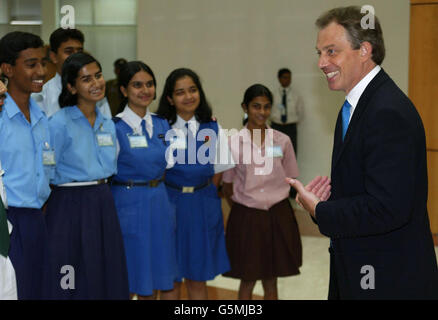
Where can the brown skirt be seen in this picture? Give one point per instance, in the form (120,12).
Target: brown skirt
(263,244)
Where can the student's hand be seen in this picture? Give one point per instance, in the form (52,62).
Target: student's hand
(308,197)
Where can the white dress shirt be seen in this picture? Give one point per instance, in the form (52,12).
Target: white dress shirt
(8,283)
(294,102)
(133,120)
(47,99)
(223,159)
(354,95)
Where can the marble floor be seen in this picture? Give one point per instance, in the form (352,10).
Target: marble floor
(311,284)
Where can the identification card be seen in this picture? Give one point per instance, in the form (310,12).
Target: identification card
(138,141)
(274,152)
(179,143)
(49,158)
(105,139)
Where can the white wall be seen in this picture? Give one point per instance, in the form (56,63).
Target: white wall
(233,44)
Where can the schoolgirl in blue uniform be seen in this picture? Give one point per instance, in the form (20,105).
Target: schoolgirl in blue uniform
(25,156)
(192,184)
(147,218)
(83,227)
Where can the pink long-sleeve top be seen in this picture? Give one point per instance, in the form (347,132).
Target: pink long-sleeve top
(258,177)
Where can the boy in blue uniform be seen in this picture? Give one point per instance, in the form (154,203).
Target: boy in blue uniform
(25,155)
(63,43)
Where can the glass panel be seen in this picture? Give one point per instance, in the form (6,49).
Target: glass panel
(107,44)
(121,12)
(25,11)
(4,9)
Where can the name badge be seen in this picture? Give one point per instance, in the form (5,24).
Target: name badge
(179,143)
(274,152)
(138,141)
(105,139)
(49,158)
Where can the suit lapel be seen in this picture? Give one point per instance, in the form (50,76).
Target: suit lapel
(362,104)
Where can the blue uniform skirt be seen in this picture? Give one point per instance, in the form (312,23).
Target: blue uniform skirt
(87,257)
(28,252)
(147,220)
(201,250)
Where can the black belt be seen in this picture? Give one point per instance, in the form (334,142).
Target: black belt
(129,184)
(188,189)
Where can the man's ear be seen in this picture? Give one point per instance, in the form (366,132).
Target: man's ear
(53,57)
(71,89)
(7,70)
(124,91)
(366,50)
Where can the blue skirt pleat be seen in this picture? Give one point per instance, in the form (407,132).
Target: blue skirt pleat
(147,220)
(201,250)
(84,235)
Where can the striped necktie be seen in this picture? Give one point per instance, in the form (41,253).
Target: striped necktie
(346,109)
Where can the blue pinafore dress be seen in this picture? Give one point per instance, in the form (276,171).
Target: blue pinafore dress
(147,218)
(201,250)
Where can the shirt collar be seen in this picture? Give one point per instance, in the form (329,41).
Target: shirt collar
(76,113)
(57,81)
(354,95)
(180,123)
(134,121)
(12,109)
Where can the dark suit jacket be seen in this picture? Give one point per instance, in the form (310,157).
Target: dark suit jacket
(377,213)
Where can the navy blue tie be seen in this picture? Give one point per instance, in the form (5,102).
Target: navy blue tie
(346,109)
(143,127)
(284,102)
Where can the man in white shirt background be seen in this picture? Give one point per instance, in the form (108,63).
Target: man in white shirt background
(63,43)
(288,107)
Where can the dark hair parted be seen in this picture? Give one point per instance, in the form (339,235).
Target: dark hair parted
(350,18)
(283,71)
(203,113)
(127,71)
(61,35)
(70,72)
(254,91)
(14,42)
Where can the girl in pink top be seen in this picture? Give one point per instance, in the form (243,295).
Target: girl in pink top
(262,236)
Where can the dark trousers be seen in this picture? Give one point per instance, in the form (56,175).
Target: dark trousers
(28,252)
(289,129)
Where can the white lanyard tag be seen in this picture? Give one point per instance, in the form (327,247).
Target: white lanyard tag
(138,141)
(104,139)
(48,155)
(49,158)
(274,152)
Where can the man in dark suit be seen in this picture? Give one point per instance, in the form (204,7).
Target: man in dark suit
(381,245)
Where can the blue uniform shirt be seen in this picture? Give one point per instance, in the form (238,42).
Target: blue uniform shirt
(22,145)
(82,153)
